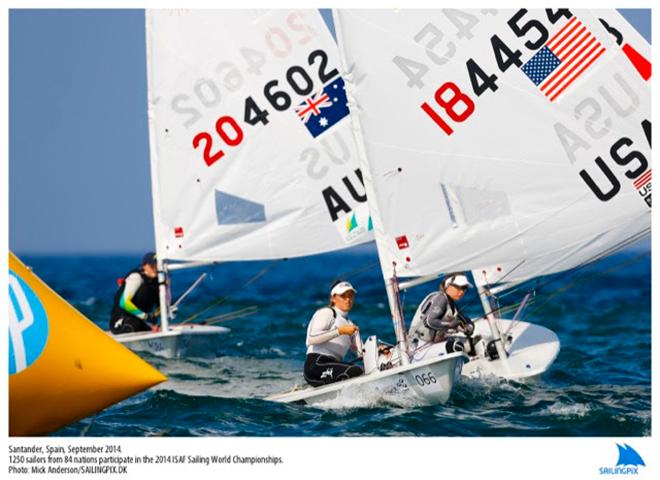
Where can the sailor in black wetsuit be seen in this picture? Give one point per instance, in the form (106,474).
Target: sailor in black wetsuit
(330,335)
(136,298)
(439,319)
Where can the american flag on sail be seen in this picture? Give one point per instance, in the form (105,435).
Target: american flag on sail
(643,180)
(563,59)
(325,108)
(643,186)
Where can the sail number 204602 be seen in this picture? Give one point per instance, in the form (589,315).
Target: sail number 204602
(298,79)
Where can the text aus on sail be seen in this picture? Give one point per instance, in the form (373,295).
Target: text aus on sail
(606,167)
(341,195)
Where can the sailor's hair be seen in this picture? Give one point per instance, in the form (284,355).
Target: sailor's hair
(448,279)
(334,284)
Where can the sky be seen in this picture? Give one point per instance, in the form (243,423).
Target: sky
(79,180)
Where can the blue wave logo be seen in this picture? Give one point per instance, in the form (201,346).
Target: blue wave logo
(628,463)
(628,456)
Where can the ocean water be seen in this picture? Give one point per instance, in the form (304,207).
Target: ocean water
(600,384)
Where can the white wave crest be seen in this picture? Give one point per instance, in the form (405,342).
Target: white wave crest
(568,410)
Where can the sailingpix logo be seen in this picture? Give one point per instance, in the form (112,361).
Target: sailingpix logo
(628,463)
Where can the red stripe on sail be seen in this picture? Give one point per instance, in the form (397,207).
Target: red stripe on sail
(569,67)
(575,42)
(552,40)
(641,64)
(578,73)
(643,179)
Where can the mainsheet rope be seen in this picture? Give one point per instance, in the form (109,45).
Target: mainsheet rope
(218,301)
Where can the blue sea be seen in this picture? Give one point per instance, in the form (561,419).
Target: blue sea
(600,384)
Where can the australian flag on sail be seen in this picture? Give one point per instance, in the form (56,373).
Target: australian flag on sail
(563,59)
(325,108)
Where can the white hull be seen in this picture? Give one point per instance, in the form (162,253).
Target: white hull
(430,381)
(532,350)
(178,341)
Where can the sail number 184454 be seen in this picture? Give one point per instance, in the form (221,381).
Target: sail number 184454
(457,105)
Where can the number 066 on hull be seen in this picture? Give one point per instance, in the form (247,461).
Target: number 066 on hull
(428,382)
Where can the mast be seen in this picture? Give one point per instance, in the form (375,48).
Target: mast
(155,204)
(162,294)
(492,324)
(391,283)
(394,300)
(485,295)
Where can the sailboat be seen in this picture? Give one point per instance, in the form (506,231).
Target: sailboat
(509,143)
(252,156)
(62,367)
(251,152)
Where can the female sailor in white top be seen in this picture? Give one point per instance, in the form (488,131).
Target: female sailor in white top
(329,336)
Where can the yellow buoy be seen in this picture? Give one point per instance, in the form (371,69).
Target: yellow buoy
(62,367)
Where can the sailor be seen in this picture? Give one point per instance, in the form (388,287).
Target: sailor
(438,319)
(330,335)
(136,299)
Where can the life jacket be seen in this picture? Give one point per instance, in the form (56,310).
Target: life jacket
(336,347)
(146,297)
(420,329)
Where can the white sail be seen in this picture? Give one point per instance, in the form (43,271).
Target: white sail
(514,140)
(251,153)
